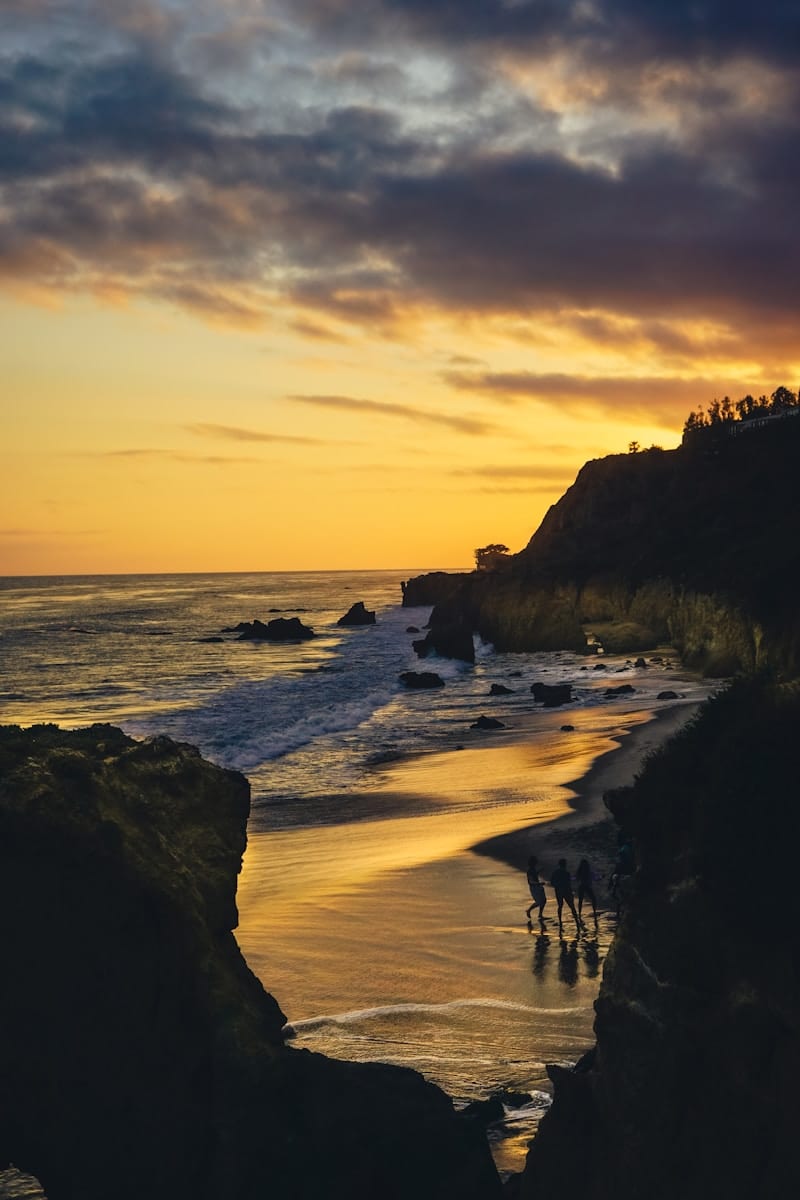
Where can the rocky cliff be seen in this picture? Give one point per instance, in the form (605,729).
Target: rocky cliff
(698,546)
(139,1056)
(692,1088)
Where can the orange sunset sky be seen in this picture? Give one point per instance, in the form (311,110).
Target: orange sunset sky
(322,285)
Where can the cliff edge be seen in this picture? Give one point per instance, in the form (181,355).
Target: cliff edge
(692,1088)
(139,1055)
(698,546)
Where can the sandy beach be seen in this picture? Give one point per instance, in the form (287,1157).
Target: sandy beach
(404,939)
(587,827)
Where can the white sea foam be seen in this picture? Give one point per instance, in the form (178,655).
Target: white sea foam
(394,1010)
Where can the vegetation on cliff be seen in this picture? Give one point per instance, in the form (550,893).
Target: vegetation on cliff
(722,415)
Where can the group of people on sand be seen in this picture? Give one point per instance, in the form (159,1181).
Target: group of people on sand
(561,882)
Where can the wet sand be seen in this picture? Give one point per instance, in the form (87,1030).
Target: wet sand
(404,939)
(587,827)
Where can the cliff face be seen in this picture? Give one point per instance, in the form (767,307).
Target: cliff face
(697,546)
(139,1056)
(692,1089)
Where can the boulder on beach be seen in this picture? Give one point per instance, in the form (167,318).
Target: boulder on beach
(487,723)
(421,679)
(641,664)
(357,614)
(567,728)
(624,689)
(280,629)
(500,689)
(668,695)
(210,640)
(412,629)
(552,695)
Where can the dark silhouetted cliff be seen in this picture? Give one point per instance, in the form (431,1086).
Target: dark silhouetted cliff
(139,1055)
(699,546)
(692,1089)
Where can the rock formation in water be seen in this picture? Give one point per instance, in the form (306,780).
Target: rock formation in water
(697,546)
(421,679)
(552,695)
(279,629)
(357,614)
(449,636)
(692,1089)
(139,1055)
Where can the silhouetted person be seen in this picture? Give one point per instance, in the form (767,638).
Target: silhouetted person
(585,889)
(560,880)
(536,889)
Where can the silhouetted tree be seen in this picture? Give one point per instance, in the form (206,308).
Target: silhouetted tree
(782,398)
(726,412)
(745,407)
(491,557)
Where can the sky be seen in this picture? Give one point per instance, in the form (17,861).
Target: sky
(318,284)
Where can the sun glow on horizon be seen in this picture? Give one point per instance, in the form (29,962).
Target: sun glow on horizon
(282,288)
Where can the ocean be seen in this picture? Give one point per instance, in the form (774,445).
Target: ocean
(363,908)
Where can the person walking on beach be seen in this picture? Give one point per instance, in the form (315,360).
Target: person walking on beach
(560,880)
(585,890)
(536,889)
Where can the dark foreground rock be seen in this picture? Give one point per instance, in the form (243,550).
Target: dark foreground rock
(421,679)
(500,689)
(279,629)
(552,695)
(692,1091)
(487,723)
(139,1055)
(357,614)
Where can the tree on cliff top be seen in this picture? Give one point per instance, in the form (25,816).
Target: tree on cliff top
(726,412)
(492,557)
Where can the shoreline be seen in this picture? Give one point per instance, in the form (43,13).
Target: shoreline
(589,825)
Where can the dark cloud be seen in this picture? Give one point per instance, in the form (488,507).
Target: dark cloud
(236,434)
(121,168)
(526,471)
(648,29)
(658,399)
(664,233)
(533,489)
(152,453)
(460,424)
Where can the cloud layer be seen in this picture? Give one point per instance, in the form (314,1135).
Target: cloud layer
(606,161)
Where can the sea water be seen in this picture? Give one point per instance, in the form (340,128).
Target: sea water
(362,908)
(305,721)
